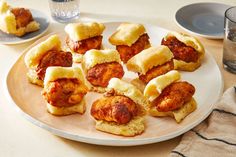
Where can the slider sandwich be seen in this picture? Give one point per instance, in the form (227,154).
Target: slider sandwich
(17,21)
(100,66)
(130,39)
(170,97)
(151,62)
(121,110)
(45,54)
(188,51)
(64,90)
(82,37)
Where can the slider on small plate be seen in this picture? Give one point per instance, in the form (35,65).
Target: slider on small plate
(100,66)
(188,51)
(64,90)
(121,110)
(130,39)
(82,37)
(150,63)
(45,54)
(170,97)
(17,21)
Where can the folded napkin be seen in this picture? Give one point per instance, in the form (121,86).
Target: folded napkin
(214,137)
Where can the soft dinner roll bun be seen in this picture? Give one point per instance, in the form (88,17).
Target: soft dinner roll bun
(81,31)
(94,57)
(149,58)
(194,43)
(54,73)
(156,85)
(127,34)
(134,127)
(154,89)
(8,22)
(34,55)
(178,114)
(63,111)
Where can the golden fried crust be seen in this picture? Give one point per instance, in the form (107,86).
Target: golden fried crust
(157,71)
(100,74)
(53,58)
(84,45)
(188,51)
(64,92)
(178,114)
(23,17)
(127,52)
(119,109)
(174,96)
(180,50)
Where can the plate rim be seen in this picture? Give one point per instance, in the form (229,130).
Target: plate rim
(106,142)
(195,33)
(30,39)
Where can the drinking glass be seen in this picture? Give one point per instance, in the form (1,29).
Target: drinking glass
(229,44)
(64,10)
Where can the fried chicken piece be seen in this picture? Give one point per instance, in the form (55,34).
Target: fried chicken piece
(84,45)
(119,109)
(180,50)
(64,92)
(127,52)
(157,71)
(100,74)
(23,16)
(53,58)
(174,96)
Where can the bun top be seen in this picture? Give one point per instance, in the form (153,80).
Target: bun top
(81,31)
(188,40)
(94,57)
(127,34)
(149,58)
(34,55)
(156,85)
(56,72)
(8,21)
(124,88)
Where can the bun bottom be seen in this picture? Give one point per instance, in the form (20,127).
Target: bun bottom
(178,114)
(184,66)
(63,111)
(134,127)
(33,78)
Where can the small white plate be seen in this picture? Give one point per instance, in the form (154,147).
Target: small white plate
(203,19)
(38,16)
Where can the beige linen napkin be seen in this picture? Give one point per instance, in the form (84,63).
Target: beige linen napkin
(214,137)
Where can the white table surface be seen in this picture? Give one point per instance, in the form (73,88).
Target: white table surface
(20,138)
